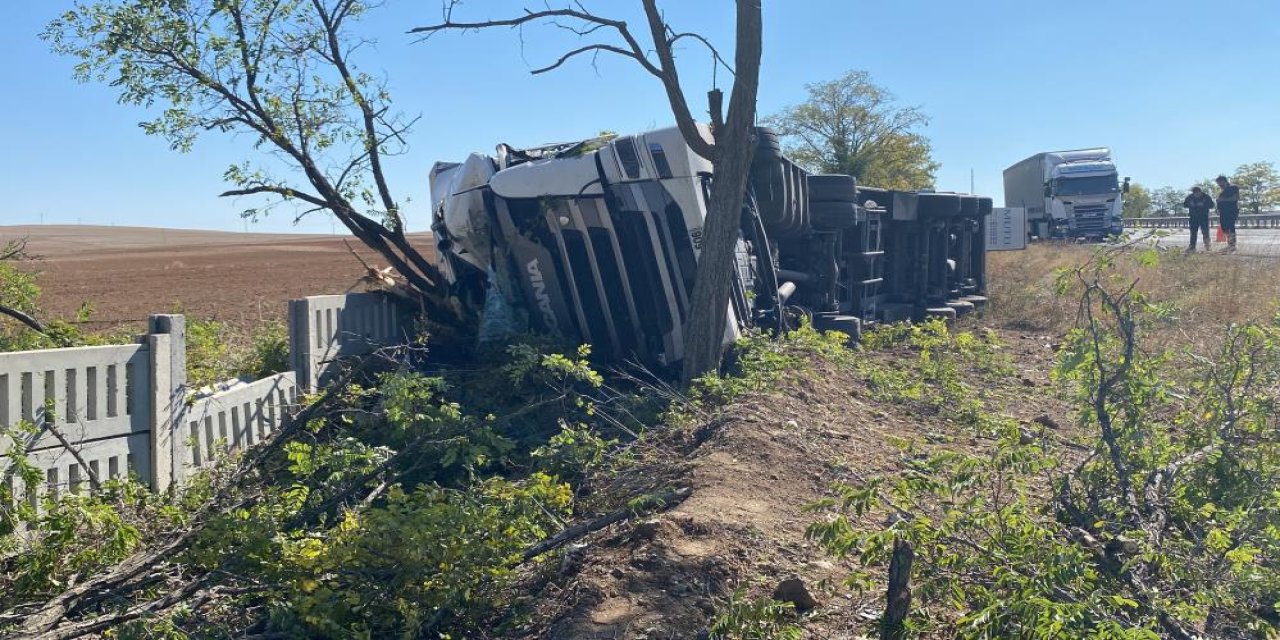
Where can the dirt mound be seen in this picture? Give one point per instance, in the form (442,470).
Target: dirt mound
(751,473)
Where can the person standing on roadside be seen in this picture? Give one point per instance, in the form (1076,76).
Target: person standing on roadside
(1228,209)
(1199,204)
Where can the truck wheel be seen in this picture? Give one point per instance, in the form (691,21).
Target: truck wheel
(768,178)
(768,142)
(769,184)
(833,215)
(832,188)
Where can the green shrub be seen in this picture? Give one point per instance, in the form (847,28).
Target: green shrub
(268,351)
(989,561)
(761,619)
(572,453)
(426,558)
(1170,527)
(209,355)
(937,377)
(217,351)
(758,361)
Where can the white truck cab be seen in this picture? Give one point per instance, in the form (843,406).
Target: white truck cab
(1068,194)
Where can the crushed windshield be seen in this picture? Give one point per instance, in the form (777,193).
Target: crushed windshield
(1086,186)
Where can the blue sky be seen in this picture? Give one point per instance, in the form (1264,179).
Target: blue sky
(1180,90)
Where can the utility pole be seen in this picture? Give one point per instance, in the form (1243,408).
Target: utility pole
(971,180)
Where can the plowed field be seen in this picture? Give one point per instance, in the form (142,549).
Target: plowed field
(127,273)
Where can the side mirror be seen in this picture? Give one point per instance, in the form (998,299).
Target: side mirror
(1048,190)
(1125,186)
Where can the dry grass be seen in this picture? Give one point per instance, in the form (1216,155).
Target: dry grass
(1206,292)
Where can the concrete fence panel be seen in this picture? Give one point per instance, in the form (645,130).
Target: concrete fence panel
(233,419)
(96,401)
(105,412)
(325,329)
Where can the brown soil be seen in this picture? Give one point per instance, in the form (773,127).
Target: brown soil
(751,471)
(127,273)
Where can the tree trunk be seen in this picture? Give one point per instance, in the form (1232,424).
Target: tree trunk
(734,145)
(898,595)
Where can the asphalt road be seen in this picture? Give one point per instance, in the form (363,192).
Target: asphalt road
(1253,242)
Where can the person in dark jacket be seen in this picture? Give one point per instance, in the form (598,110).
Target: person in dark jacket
(1199,204)
(1228,209)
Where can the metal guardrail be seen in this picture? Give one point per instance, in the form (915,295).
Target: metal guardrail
(1268,220)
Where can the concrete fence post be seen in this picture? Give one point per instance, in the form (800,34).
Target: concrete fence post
(301,344)
(167,342)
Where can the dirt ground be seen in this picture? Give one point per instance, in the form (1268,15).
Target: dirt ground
(127,273)
(750,474)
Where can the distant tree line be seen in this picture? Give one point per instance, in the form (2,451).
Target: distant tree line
(1259,184)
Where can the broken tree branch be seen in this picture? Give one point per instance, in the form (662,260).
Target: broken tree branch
(75,453)
(32,323)
(50,618)
(573,533)
(14,250)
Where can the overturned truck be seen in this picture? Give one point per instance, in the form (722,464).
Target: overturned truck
(598,241)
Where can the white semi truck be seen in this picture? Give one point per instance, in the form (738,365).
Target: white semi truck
(598,241)
(1068,194)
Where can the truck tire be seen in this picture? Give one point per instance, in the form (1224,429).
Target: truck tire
(832,188)
(833,215)
(768,178)
(768,142)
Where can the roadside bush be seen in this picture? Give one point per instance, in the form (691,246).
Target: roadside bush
(268,351)
(573,452)
(209,354)
(990,561)
(394,512)
(1167,528)
(217,351)
(758,361)
(933,376)
(423,559)
(51,542)
(761,619)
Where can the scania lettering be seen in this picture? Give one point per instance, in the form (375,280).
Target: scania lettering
(540,294)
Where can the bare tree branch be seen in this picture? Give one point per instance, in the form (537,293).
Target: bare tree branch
(633,47)
(676,37)
(580,50)
(333,26)
(670,78)
(286,192)
(75,453)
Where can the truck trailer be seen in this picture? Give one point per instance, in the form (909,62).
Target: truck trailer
(1068,194)
(598,240)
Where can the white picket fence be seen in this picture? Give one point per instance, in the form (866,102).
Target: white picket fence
(103,412)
